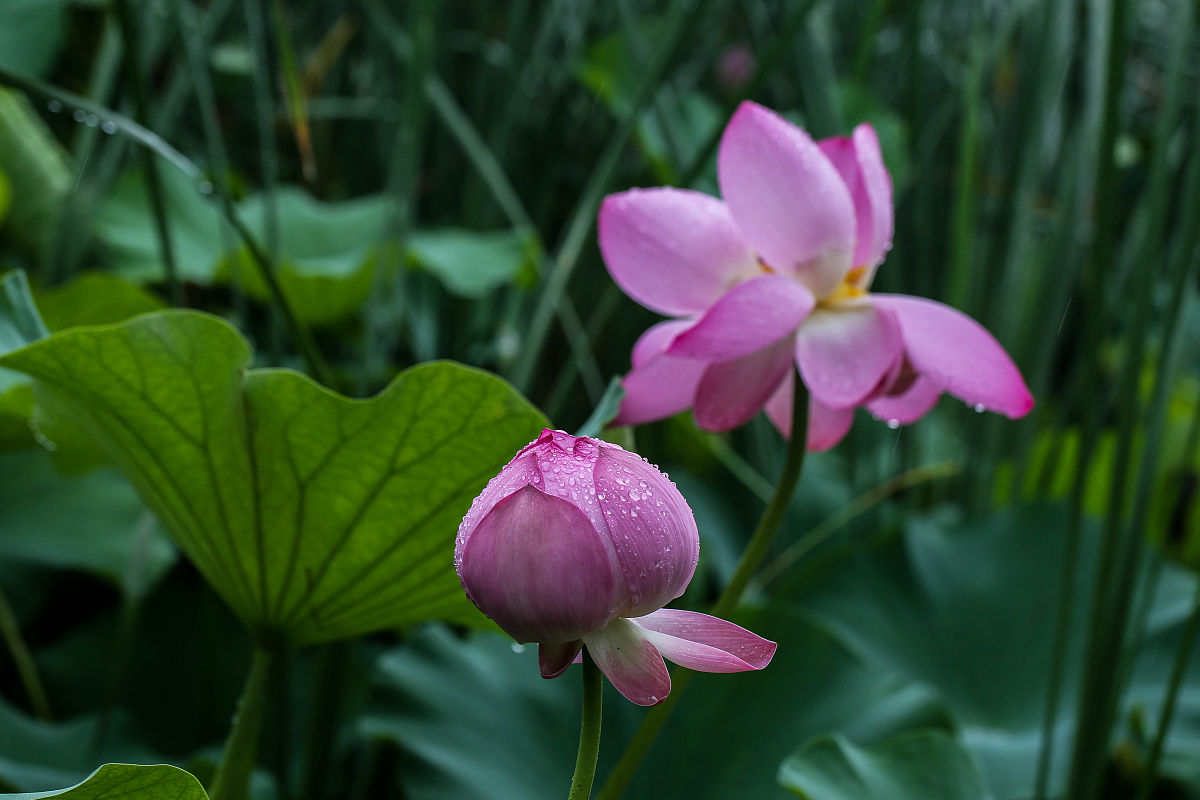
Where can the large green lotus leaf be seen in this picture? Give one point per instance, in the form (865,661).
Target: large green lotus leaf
(968,608)
(37,756)
(929,765)
(128,782)
(94,298)
(316,517)
(441,697)
(473,263)
(93,522)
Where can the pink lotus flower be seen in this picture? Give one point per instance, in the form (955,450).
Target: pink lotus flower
(578,543)
(778,272)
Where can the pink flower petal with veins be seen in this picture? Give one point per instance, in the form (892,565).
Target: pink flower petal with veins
(675,251)
(845,352)
(749,317)
(705,643)
(659,385)
(859,161)
(632,664)
(787,198)
(826,426)
(731,392)
(958,354)
(514,562)
(643,510)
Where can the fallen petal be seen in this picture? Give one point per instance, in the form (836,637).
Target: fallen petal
(747,318)
(675,251)
(705,643)
(958,354)
(631,663)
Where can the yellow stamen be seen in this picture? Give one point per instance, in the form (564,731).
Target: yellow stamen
(848,289)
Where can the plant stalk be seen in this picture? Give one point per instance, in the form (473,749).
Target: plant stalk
(237,762)
(589,730)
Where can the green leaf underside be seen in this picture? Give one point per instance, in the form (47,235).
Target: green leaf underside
(114,781)
(924,764)
(316,517)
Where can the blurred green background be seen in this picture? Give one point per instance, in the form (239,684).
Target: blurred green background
(360,186)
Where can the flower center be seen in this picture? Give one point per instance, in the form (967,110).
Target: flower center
(848,289)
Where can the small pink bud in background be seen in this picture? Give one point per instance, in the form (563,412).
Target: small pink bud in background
(734,67)
(578,542)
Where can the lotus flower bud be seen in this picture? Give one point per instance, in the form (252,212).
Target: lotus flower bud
(577,542)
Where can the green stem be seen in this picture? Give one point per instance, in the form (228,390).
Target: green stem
(237,762)
(772,518)
(1168,709)
(589,730)
(24,661)
(751,560)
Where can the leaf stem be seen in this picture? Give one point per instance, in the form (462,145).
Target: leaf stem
(589,730)
(237,762)
(748,564)
(22,658)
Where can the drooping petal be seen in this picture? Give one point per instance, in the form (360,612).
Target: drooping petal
(731,392)
(705,643)
(630,663)
(675,251)
(908,406)
(787,198)
(539,569)
(659,385)
(749,317)
(958,354)
(845,351)
(826,426)
(859,161)
(652,529)
(555,657)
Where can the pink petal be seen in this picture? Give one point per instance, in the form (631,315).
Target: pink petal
(731,392)
(958,354)
(675,251)
(539,569)
(659,385)
(631,663)
(826,426)
(787,198)
(749,317)
(555,657)
(908,406)
(704,643)
(652,529)
(859,161)
(846,351)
